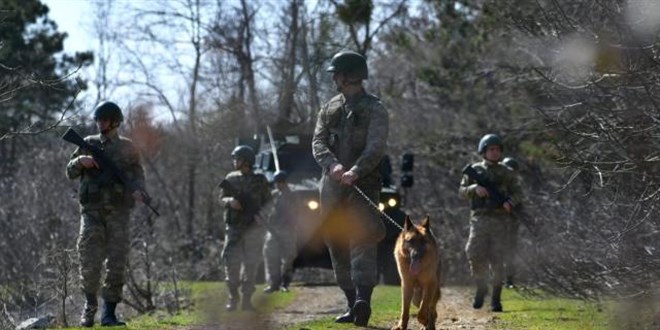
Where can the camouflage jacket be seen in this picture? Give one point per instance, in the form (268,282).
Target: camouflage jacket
(504,179)
(98,189)
(284,210)
(351,132)
(251,186)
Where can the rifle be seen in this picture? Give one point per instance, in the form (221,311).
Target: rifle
(106,164)
(496,196)
(247,203)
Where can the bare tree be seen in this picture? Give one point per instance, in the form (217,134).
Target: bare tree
(235,35)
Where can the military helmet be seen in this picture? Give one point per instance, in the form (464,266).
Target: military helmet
(349,62)
(511,162)
(489,140)
(108,110)
(280,176)
(243,152)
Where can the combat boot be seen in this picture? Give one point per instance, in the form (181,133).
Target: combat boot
(362,312)
(496,304)
(286,280)
(246,303)
(482,290)
(348,316)
(89,312)
(509,282)
(270,289)
(232,299)
(108,318)
(362,307)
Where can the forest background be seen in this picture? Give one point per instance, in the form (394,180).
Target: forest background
(573,87)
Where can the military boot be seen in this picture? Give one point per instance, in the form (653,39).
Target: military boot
(509,282)
(91,306)
(108,318)
(362,307)
(348,316)
(482,290)
(286,280)
(246,303)
(496,304)
(232,299)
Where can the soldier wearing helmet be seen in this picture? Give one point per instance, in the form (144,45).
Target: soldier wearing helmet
(105,206)
(244,235)
(514,225)
(489,222)
(280,248)
(349,142)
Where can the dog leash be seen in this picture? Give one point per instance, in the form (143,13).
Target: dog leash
(373,205)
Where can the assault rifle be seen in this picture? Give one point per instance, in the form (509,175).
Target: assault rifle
(106,165)
(496,196)
(247,203)
(249,206)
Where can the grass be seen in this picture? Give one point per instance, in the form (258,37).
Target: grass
(209,299)
(536,313)
(521,312)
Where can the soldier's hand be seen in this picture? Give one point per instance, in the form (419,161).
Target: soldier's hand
(138,196)
(349,178)
(508,206)
(336,171)
(87,162)
(481,191)
(235,204)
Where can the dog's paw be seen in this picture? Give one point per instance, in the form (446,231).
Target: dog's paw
(399,327)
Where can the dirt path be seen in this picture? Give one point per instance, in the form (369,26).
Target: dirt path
(317,302)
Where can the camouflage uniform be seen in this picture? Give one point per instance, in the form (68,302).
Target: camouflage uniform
(489,223)
(105,206)
(244,237)
(280,248)
(353,133)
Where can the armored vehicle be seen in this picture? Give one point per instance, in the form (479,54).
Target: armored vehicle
(292,152)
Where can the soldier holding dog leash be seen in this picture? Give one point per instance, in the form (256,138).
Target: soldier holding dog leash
(349,142)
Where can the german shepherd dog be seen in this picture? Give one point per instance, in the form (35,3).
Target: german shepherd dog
(418,260)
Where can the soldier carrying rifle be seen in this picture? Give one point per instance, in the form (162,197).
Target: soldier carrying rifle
(111,180)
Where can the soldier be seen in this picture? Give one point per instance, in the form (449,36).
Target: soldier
(512,242)
(488,221)
(280,246)
(349,142)
(244,236)
(105,206)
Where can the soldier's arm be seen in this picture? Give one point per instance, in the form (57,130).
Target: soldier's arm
(224,198)
(376,141)
(321,141)
(136,171)
(467,189)
(515,190)
(74,168)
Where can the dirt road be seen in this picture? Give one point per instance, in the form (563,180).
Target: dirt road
(318,302)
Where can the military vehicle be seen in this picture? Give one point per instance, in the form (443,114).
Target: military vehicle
(287,150)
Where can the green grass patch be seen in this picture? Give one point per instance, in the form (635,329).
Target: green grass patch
(543,312)
(209,299)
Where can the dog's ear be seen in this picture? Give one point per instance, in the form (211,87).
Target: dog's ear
(407,224)
(426,223)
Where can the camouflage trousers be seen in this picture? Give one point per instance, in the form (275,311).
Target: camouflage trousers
(242,255)
(104,239)
(487,244)
(352,231)
(511,248)
(279,252)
